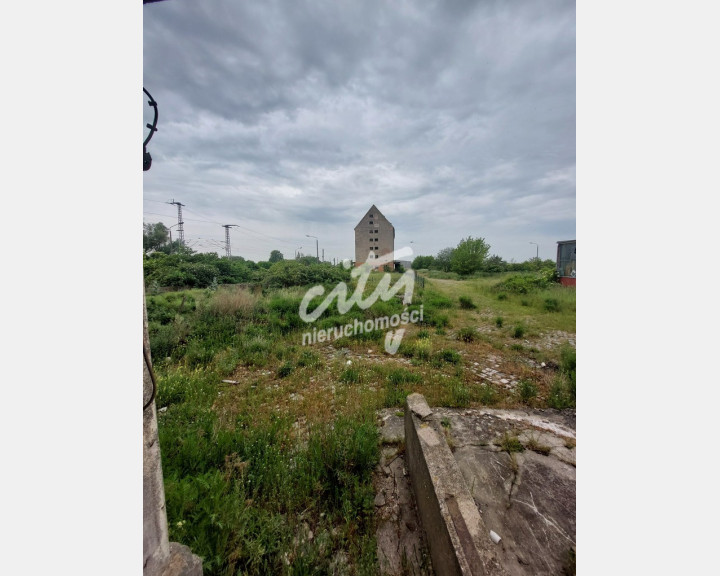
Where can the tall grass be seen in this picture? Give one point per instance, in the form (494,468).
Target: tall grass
(240,496)
(232,300)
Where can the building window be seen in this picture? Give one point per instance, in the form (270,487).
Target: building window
(372,215)
(370,231)
(376,239)
(376,230)
(371,222)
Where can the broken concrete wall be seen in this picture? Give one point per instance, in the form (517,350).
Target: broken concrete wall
(458,540)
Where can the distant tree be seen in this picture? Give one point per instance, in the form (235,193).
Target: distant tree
(443,259)
(276,256)
(176,247)
(154,236)
(469,255)
(423,262)
(307,260)
(494,264)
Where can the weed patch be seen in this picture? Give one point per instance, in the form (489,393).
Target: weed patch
(527,391)
(435,300)
(397,387)
(308,358)
(534,445)
(458,395)
(467,303)
(285,370)
(562,394)
(446,356)
(487,395)
(552,305)
(510,443)
(350,375)
(467,335)
(524,283)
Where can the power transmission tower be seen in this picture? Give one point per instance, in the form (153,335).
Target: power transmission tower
(227,238)
(181,232)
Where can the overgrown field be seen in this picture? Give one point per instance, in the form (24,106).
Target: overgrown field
(271,472)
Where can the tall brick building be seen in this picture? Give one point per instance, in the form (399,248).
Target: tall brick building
(374,237)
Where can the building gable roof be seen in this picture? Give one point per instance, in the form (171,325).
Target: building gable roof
(374,210)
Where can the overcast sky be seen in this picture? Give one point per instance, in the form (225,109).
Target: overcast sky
(455,118)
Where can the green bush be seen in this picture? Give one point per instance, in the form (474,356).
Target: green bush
(438,320)
(523,283)
(447,356)
(435,300)
(518,331)
(467,303)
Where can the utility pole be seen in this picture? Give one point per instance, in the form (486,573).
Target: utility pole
(537,250)
(227,238)
(317,252)
(323,255)
(170,232)
(180,223)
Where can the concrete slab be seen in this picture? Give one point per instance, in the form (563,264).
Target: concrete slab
(484,510)
(392,425)
(528,497)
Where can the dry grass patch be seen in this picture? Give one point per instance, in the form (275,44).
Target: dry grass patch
(231,300)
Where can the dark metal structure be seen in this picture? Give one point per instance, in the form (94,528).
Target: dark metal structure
(227,238)
(147,159)
(181,231)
